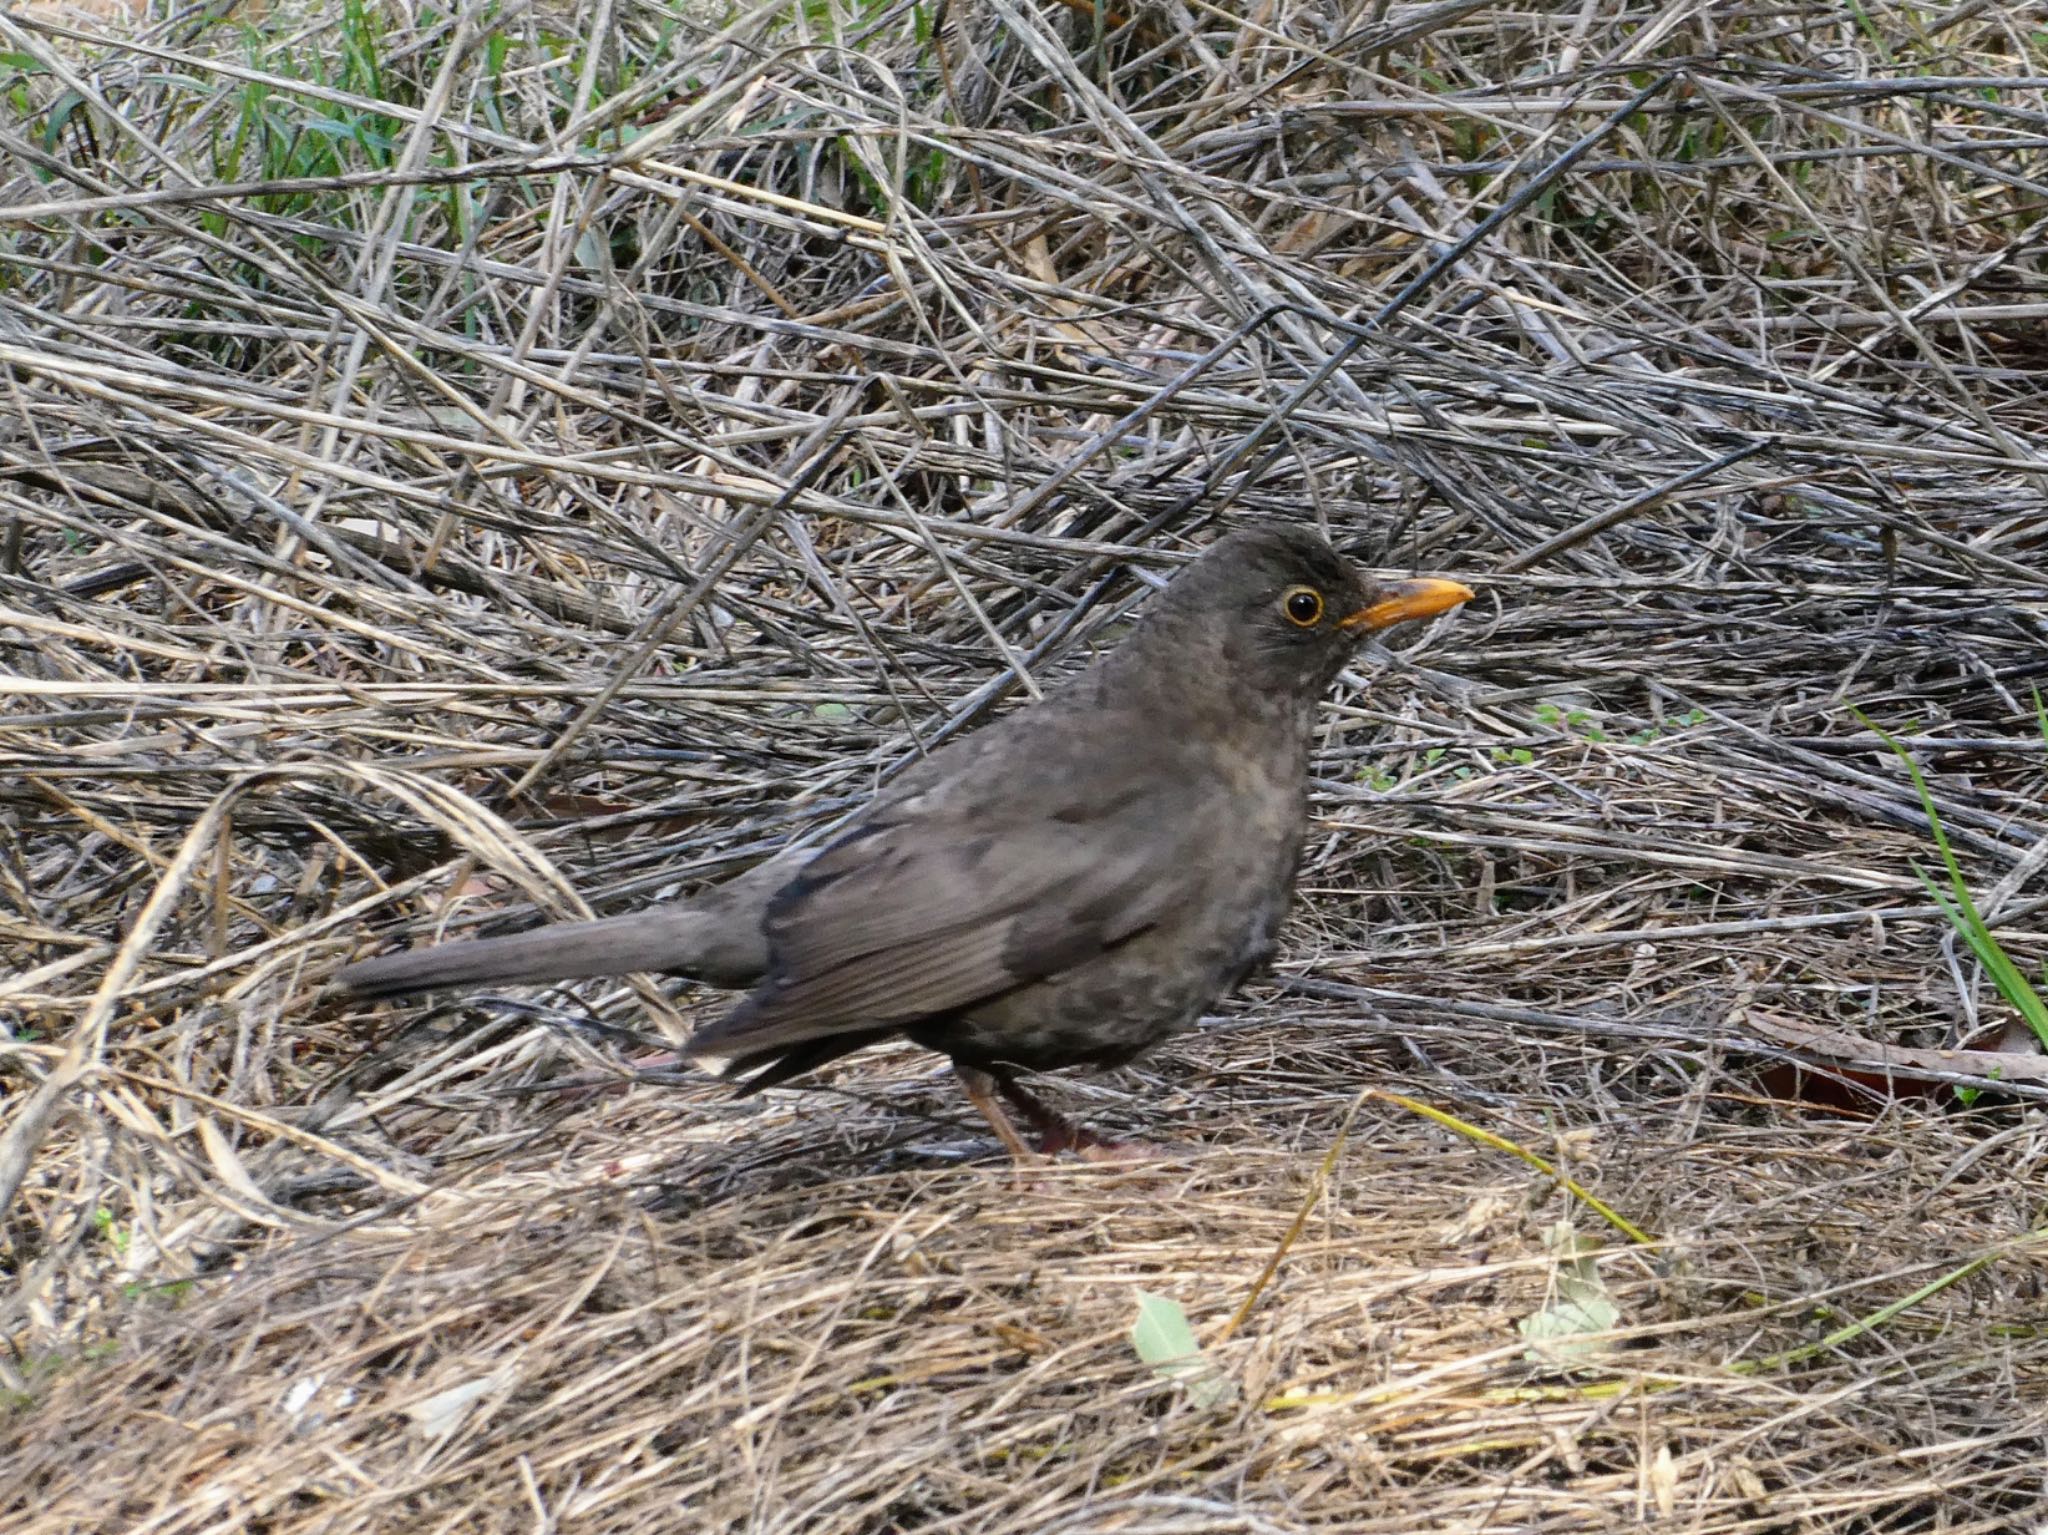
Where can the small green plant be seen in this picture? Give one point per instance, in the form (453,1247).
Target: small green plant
(1383,781)
(1574,721)
(1683,721)
(1956,903)
(1968,1096)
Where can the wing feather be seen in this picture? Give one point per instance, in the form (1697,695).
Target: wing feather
(928,909)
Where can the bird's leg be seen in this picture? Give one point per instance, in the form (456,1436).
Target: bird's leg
(1057,1133)
(981,1092)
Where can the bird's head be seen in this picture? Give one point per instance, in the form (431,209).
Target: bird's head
(1281,611)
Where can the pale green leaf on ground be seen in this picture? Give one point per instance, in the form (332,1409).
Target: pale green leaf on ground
(1579,1304)
(1165,1341)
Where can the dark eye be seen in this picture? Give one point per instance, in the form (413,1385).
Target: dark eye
(1303,606)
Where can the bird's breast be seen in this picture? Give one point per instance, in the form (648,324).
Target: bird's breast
(1241,848)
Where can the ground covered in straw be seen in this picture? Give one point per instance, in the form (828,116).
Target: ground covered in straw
(459,467)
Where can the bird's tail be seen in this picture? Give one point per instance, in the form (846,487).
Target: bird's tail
(667,938)
(716,938)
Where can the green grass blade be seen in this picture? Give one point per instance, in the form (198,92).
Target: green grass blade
(1957,905)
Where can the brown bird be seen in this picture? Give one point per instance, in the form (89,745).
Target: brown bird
(1067,886)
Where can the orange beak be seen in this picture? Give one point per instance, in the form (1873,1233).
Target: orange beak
(1405,600)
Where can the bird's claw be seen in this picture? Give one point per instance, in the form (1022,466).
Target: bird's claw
(1091,1147)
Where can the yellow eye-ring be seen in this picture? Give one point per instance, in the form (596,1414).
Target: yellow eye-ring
(1303,606)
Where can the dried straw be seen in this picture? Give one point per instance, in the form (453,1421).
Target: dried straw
(449,473)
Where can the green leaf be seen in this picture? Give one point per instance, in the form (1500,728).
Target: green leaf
(60,114)
(1556,1334)
(1165,1341)
(1579,1304)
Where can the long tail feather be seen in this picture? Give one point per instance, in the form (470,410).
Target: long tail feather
(689,942)
(716,938)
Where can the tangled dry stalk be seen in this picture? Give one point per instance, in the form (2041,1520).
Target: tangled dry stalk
(459,463)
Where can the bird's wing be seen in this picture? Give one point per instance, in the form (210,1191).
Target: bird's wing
(941,901)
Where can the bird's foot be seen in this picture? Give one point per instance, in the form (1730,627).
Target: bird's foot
(1090,1146)
(1057,1133)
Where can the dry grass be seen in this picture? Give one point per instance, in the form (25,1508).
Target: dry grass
(447,470)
